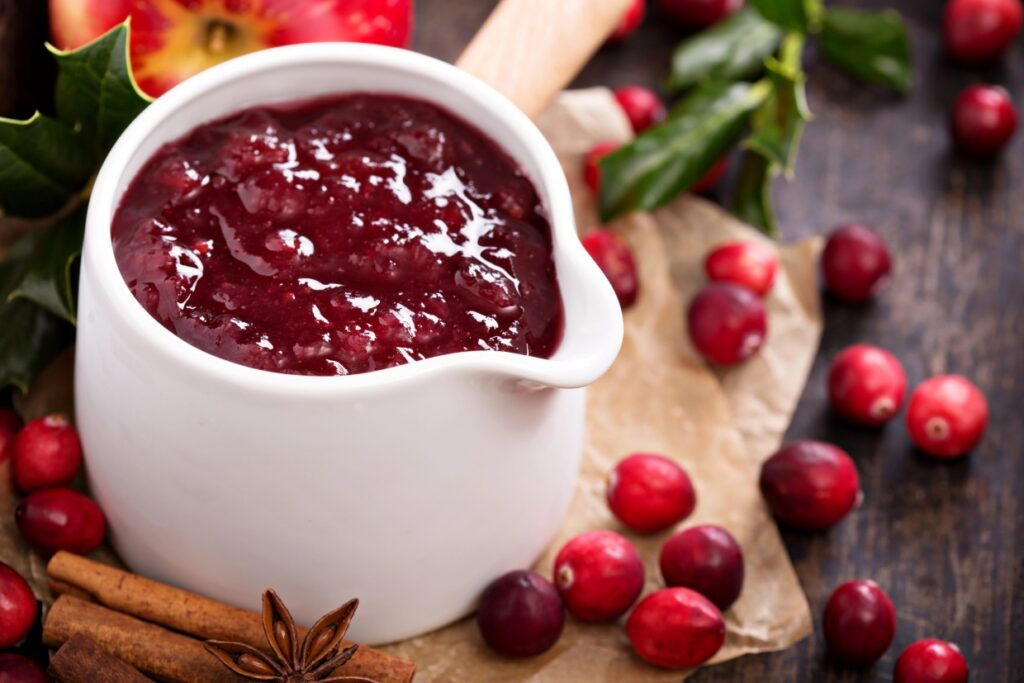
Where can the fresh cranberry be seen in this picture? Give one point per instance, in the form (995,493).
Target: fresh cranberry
(712,177)
(866,384)
(810,484)
(706,559)
(649,492)
(15,668)
(750,264)
(18,608)
(616,261)
(984,119)
(697,14)
(727,323)
(642,105)
(947,416)
(630,22)
(61,519)
(599,575)
(676,628)
(9,426)
(855,263)
(859,623)
(47,453)
(592,164)
(978,31)
(931,661)
(520,614)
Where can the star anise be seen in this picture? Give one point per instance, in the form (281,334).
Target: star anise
(314,659)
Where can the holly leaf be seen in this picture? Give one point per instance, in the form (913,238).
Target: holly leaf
(733,49)
(42,164)
(96,92)
(778,124)
(673,156)
(871,46)
(751,201)
(803,16)
(47,278)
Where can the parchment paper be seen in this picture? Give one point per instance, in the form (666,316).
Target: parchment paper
(659,396)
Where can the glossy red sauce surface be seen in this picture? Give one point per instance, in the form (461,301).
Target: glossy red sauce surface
(340,236)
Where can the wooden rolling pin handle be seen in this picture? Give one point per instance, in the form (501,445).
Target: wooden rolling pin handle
(530,49)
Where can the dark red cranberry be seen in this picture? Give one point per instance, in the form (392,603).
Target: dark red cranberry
(599,575)
(947,416)
(61,519)
(750,264)
(810,484)
(727,323)
(520,614)
(697,14)
(984,119)
(642,106)
(676,628)
(630,22)
(712,177)
(855,263)
(706,559)
(15,668)
(866,384)
(9,427)
(592,167)
(859,623)
(47,453)
(649,492)
(18,607)
(978,31)
(931,661)
(615,259)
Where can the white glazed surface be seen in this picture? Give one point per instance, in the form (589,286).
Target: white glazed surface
(411,487)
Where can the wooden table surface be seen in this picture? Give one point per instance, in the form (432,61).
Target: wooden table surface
(945,540)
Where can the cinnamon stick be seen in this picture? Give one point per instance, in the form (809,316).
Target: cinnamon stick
(193,614)
(82,660)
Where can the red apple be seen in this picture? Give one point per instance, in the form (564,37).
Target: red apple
(173,39)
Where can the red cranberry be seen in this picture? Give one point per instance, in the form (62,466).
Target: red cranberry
(18,608)
(642,105)
(591,164)
(931,661)
(630,22)
(856,263)
(47,453)
(706,559)
(866,384)
(859,623)
(810,484)
(649,492)
(616,261)
(61,519)
(727,323)
(978,31)
(947,416)
(9,426)
(984,119)
(696,14)
(750,264)
(599,575)
(15,668)
(520,614)
(676,628)
(712,177)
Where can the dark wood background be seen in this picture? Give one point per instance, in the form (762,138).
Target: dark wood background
(946,540)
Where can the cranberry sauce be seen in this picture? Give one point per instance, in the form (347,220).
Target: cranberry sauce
(340,236)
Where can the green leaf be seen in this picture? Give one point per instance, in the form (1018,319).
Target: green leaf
(42,164)
(673,156)
(47,277)
(733,49)
(793,15)
(871,46)
(96,92)
(778,124)
(752,195)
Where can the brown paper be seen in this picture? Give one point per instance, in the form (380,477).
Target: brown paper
(659,396)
